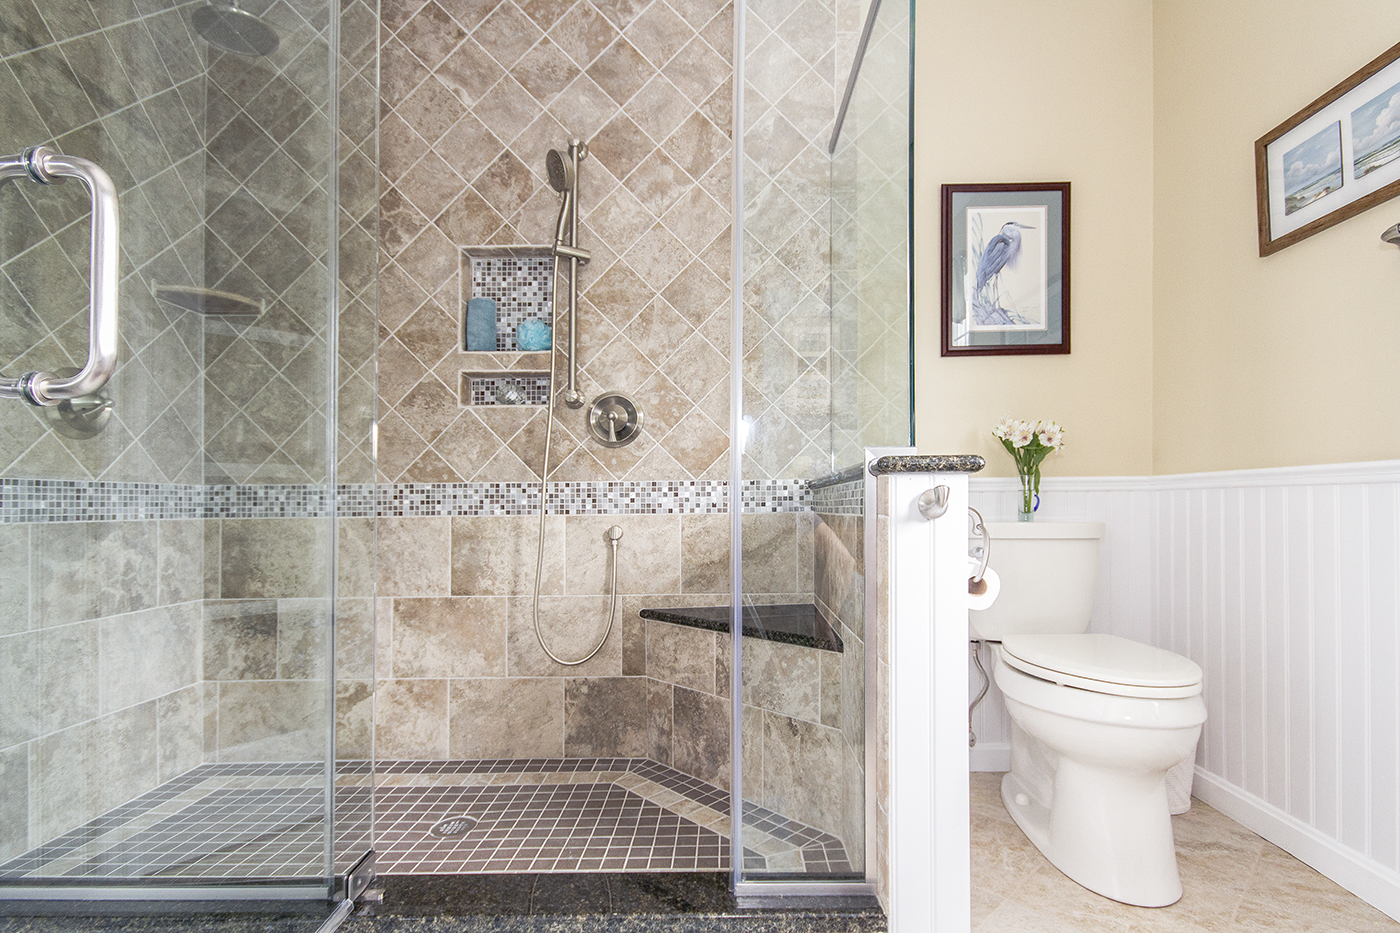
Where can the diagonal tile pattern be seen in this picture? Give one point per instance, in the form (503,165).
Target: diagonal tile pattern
(870,263)
(471,101)
(267,199)
(790,98)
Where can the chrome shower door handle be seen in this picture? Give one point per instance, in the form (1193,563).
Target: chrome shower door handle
(48,167)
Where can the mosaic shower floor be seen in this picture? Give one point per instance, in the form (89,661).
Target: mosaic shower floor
(538,815)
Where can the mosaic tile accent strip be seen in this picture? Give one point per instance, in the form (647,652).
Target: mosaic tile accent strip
(656,497)
(270,500)
(776,495)
(528,815)
(493,390)
(840,498)
(42,500)
(521,286)
(23,500)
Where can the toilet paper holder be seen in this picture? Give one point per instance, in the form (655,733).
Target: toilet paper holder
(982,552)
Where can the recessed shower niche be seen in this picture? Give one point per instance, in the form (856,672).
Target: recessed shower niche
(518,282)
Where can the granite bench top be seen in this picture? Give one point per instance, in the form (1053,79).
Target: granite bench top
(793,624)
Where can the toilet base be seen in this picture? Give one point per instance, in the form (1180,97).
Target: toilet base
(1088,839)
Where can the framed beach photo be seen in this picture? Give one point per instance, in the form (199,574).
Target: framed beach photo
(1005,268)
(1333,159)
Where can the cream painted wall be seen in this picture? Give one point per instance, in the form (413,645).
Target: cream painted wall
(1286,360)
(1024,90)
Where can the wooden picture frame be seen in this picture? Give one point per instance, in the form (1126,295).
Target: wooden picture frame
(1335,158)
(1005,264)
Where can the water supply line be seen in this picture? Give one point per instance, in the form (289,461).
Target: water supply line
(563,177)
(976,646)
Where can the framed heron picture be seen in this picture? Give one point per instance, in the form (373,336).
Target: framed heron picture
(1005,269)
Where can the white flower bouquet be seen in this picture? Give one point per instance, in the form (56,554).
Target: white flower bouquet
(1028,444)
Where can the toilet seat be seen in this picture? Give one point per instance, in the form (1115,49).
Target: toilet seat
(1104,664)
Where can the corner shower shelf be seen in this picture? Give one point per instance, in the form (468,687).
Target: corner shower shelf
(795,624)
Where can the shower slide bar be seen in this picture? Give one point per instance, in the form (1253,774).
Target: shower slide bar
(46,166)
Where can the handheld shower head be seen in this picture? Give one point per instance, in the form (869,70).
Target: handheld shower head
(561,171)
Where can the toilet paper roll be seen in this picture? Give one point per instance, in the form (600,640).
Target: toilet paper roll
(982,594)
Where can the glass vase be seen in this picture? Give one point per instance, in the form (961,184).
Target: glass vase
(1029,502)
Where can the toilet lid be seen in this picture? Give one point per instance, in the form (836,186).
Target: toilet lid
(1104,663)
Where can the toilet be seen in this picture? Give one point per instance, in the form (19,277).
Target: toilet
(1098,720)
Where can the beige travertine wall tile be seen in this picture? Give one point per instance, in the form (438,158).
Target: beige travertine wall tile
(518,717)
(415,556)
(831,684)
(272,720)
(449,637)
(240,640)
(660,720)
(354,719)
(19,704)
(606,717)
(783,678)
(794,751)
(303,639)
(14,798)
(571,627)
(680,655)
(14,579)
(180,556)
(274,558)
(648,554)
(146,654)
(68,683)
(79,773)
(705,553)
(84,570)
(355,556)
(496,556)
(180,723)
(410,719)
(700,738)
(354,638)
(770,552)
(465,129)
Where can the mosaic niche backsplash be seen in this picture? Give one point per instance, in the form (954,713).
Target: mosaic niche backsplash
(519,283)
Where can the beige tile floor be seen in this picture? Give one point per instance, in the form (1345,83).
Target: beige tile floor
(1234,881)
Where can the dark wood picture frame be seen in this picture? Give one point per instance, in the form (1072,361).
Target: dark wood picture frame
(1335,104)
(1051,335)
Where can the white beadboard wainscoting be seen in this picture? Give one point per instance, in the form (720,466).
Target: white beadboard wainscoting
(1284,585)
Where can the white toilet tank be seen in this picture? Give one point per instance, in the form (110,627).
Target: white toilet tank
(1049,571)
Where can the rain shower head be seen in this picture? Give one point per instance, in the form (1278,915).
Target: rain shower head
(561,171)
(226,26)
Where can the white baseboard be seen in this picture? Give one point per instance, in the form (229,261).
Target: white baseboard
(1373,883)
(991,756)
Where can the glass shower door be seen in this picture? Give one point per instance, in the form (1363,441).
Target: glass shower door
(166,566)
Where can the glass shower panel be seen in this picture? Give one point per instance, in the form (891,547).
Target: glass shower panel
(166,569)
(870,302)
(825,338)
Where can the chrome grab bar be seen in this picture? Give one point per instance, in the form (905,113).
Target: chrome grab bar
(48,167)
